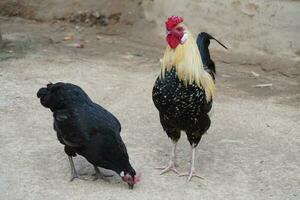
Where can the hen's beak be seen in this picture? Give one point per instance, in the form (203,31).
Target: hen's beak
(130,186)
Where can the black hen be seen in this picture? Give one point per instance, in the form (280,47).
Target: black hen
(87,129)
(184,107)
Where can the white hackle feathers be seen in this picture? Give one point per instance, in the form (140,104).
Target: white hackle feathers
(186,59)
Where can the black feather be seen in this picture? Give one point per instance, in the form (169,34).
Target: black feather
(203,41)
(181,107)
(184,107)
(86,128)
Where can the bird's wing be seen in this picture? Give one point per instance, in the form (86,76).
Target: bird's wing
(79,125)
(93,120)
(107,119)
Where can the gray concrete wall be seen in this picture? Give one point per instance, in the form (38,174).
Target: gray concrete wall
(249,26)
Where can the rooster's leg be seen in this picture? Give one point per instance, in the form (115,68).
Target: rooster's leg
(99,175)
(172,164)
(192,172)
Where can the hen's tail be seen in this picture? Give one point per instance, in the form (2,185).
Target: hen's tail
(203,41)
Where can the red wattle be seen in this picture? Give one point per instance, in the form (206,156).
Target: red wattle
(173,41)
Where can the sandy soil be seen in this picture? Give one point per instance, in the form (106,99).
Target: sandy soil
(250,152)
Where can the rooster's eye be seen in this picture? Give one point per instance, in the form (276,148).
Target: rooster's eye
(179,28)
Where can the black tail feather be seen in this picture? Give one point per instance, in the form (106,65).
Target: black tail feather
(203,41)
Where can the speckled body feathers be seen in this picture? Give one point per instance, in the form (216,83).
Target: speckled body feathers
(181,107)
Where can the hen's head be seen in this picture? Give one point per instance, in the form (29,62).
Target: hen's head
(176,33)
(130,177)
(60,95)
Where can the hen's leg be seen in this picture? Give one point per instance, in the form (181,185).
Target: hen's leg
(192,172)
(99,175)
(71,153)
(74,173)
(172,163)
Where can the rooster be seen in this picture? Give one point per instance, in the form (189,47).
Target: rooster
(184,91)
(87,129)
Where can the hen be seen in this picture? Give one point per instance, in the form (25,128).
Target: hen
(87,129)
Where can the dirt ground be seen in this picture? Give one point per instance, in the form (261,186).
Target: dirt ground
(251,150)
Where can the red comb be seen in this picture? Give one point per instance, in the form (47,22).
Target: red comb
(173,21)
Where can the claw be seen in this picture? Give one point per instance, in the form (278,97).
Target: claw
(190,175)
(76,176)
(170,167)
(73,177)
(100,175)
